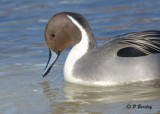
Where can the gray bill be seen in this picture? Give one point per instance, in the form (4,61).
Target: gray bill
(53,56)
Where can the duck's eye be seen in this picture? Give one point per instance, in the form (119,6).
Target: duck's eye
(53,35)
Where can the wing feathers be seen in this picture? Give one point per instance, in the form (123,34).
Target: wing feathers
(148,41)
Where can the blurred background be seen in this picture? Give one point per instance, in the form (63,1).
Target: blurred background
(24,54)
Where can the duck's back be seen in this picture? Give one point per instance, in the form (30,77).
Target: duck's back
(111,65)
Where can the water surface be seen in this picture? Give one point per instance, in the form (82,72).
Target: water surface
(23,56)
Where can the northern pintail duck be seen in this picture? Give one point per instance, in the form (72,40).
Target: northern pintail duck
(123,59)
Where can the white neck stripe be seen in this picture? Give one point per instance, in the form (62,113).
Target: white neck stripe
(76,52)
(83,44)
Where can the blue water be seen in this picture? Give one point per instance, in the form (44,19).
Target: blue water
(24,53)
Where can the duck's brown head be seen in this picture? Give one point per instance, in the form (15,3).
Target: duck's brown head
(60,34)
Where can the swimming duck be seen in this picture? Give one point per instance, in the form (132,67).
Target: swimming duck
(123,59)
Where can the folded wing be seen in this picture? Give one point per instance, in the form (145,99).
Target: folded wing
(136,44)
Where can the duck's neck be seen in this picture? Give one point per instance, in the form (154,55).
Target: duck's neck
(79,49)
